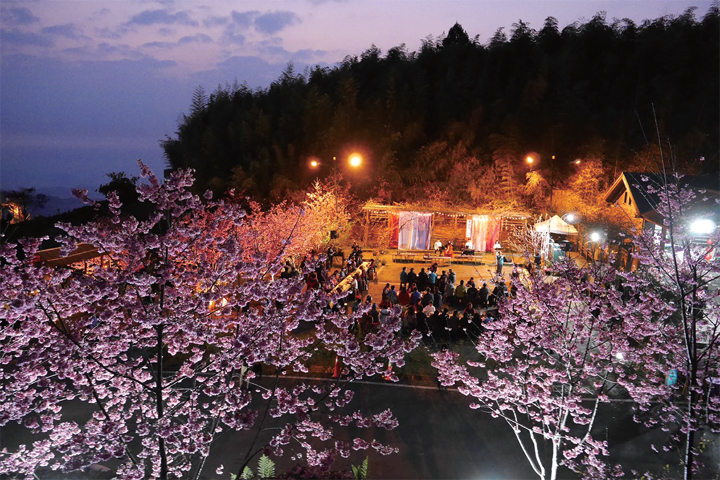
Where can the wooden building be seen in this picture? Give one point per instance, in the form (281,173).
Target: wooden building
(446,224)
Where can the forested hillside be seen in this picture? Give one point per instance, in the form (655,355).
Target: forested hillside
(455,120)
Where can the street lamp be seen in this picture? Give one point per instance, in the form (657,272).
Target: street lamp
(355,160)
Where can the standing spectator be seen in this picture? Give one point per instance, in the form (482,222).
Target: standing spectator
(403,277)
(432,278)
(499,261)
(422,280)
(412,278)
(437,298)
(451,276)
(392,295)
(449,294)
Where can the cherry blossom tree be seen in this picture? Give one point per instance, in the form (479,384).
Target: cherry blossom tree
(325,208)
(160,343)
(564,345)
(680,259)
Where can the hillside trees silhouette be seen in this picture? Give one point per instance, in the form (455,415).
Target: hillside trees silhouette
(578,92)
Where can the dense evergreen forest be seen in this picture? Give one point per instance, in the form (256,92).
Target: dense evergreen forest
(455,120)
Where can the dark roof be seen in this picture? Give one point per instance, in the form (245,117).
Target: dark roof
(52,258)
(646,201)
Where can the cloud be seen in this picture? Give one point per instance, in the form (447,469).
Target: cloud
(244,19)
(199,38)
(235,38)
(18,16)
(270,23)
(163,17)
(67,30)
(16,37)
(308,55)
(215,21)
(253,70)
(163,45)
(112,34)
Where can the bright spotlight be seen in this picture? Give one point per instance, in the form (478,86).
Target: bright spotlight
(529,159)
(620,356)
(594,237)
(702,226)
(314,163)
(355,160)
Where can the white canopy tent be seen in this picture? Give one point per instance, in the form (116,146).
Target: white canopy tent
(556,225)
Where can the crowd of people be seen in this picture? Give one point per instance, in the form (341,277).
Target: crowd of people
(437,304)
(352,277)
(433,301)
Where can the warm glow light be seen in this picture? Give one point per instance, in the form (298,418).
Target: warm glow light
(355,160)
(314,163)
(529,159)
(570,217)
(577,161)
(594,237)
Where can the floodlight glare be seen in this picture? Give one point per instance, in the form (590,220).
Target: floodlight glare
(594,237)
(702,226)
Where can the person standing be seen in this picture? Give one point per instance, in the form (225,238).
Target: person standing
(412,278)
(432,278)
(422,280)
(499,261)
(403,277)
(392,295)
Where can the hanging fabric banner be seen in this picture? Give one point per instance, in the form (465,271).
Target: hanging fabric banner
(478,232)
(414,230)
(493,232)
(393,229)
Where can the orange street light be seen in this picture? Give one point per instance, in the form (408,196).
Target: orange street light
(355,160)
(314,163)
(529,159)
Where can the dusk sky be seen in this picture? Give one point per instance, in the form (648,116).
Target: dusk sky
(88,87)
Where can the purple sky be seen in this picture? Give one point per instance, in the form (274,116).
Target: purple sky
(88,87)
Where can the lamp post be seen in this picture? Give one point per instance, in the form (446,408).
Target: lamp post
(531,160)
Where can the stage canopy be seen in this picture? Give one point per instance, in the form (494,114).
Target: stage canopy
(556,225)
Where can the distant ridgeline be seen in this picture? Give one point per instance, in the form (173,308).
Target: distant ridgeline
(455,120)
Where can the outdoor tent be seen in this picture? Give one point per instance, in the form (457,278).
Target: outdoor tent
(556,225)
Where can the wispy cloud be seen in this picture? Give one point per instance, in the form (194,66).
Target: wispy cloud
(215,21)
(16,37)
(163,45)
(199,38)
(162,17)
(67,30)
(270,23)
(18,16)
